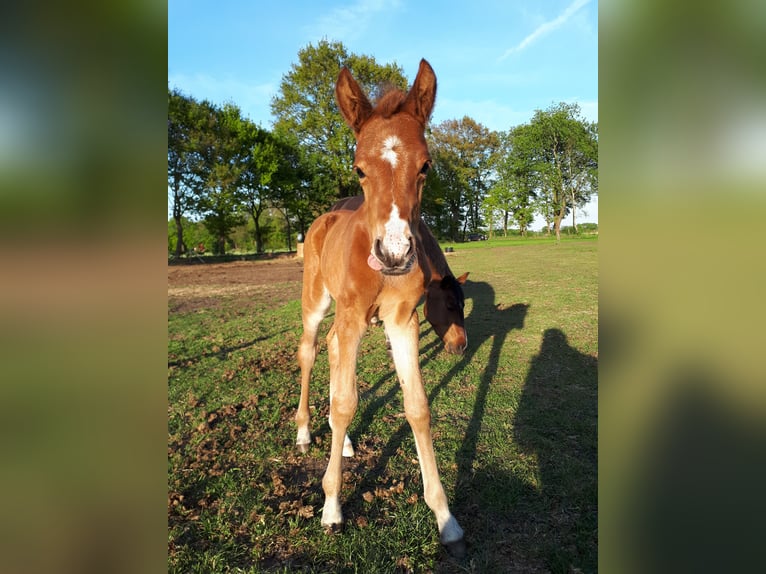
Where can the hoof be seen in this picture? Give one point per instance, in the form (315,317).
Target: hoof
(348,447)
(331,529)
(456,548)
(303,448)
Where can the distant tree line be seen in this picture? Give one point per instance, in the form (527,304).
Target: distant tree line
(228,173)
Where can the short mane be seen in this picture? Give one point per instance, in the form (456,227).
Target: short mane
(390,102)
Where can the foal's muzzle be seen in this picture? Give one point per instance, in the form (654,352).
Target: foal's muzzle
(393,265)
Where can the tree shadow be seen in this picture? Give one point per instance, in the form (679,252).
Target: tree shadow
(223,352)
(490,320)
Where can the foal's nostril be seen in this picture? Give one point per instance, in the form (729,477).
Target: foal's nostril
(378,249)
(411,248)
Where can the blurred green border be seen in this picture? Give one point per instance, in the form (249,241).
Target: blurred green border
(682,124)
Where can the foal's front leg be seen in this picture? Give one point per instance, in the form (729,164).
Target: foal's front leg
(343,346)
(404,347)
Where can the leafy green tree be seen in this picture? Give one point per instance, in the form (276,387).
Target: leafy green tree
(442,203)
(306,113)
(513,192)
(224,155)
(584,168)
(291,190)
(180,159)
(462,151)
(490,213)
(563,151)
(259,165)
(195,232)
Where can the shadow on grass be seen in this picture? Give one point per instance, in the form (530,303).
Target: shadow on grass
(515,519)
(223,352)
(557,422)
(544,521)
(514,522)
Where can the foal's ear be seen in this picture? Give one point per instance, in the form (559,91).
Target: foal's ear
(353,104)
(463,277)
(420,99)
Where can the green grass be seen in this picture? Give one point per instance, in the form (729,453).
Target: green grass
(515,240)
(514,424)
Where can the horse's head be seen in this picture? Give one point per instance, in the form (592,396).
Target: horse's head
(391,161)
(444,310)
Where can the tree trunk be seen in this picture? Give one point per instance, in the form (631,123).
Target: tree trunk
(574,225)
(289,238)
(180,245)
(257,235)
(454,222)
(557,227)
(505,224)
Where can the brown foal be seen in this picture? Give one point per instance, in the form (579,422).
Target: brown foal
(367,261)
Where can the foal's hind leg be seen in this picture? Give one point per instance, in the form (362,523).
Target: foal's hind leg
(315,307)
(332,350)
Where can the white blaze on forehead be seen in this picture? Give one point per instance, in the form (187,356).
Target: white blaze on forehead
(396,241)
(388,152)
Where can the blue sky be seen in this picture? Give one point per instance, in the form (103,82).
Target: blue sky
(496,61)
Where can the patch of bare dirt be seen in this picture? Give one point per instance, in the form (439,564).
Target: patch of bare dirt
(192,287)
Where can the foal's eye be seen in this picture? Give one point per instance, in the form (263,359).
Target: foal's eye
(359,172)
(426,168)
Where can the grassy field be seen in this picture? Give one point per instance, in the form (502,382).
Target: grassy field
(514,424)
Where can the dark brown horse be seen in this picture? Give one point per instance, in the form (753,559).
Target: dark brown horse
(444,298)
(367,261)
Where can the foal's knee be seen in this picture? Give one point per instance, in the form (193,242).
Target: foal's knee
(307,351)
(418,415)
(342,409)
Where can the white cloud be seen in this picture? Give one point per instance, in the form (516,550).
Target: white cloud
(546,27)
(350,22)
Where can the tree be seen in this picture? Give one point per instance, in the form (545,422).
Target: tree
(461,150)
(195,233)
(289,189)
(442,203)
(223,158)
(260,163)
(306,113)
(514,190)
(563,151)
(180,152)
(583,167)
